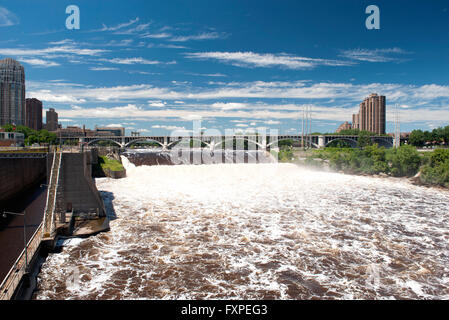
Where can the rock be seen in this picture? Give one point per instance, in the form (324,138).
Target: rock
(416,178)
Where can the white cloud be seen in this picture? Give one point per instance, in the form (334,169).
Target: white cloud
(161,35)
(39,62)
(119,26)
(170,128)
(137,29)
(114,125)
(228,106)
(121,43)
(201,36)
(132,111)
(345,95)
(251,59)
(272,122)
(138,60)
(158,104)
(65,49)
(373,55)
(7,18)
(102,69)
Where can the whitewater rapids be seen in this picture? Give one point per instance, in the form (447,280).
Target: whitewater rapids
(257,231)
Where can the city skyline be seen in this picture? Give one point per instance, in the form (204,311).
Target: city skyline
(151,70)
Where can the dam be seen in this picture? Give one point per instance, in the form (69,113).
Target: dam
(46,195)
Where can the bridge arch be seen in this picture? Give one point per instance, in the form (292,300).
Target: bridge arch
(352,142)
(143,140)
(104,139)
(384,142)
(238,138)
(294,139)
(174,143)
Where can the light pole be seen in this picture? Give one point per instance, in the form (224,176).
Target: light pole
(5,213)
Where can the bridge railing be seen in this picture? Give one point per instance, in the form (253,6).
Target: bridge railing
(20,267)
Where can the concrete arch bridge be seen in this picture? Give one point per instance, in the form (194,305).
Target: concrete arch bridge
(212,142)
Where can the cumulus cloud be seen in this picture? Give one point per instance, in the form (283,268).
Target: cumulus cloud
(158,104)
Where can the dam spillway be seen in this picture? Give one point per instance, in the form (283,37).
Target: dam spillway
(197,156)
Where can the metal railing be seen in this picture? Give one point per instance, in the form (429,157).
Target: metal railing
(52,195)
(20,267)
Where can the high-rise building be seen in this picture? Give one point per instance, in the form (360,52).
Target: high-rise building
(344,126)
(33,114)
(52,120)
(12,92)
(371,116)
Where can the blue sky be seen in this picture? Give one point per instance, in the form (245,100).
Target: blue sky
(154,66)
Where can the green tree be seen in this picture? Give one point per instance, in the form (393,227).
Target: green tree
(404,161)
(363,139)
(417,138)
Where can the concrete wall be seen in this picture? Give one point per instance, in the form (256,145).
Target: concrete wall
(17,175)
(77,189)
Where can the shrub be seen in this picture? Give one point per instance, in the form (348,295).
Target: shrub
(436,172)
(404,161)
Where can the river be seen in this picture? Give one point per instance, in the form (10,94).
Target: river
(257,231)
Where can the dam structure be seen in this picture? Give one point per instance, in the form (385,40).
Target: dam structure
(67,205)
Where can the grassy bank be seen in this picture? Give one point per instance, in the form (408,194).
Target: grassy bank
(110,164)
(106,167)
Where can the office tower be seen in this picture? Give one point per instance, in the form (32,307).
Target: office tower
(371,116)
(33,114)
(12,92)
(52,120)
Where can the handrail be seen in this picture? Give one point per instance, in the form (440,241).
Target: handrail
(48,190)
(55,194)
(18,269)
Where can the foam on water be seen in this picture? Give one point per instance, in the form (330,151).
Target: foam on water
(253,231)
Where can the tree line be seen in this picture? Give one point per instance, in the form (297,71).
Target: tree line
(437,136)
(33,136)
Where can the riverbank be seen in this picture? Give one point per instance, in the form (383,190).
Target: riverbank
(429,169)
(107,166)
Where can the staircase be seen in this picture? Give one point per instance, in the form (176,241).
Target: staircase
(49,217)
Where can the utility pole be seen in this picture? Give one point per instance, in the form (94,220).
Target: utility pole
(302,130)
(310,126)
(397,129)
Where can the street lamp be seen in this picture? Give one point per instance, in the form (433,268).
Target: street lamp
(5,215)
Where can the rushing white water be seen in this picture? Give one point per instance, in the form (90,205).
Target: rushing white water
(253,231)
